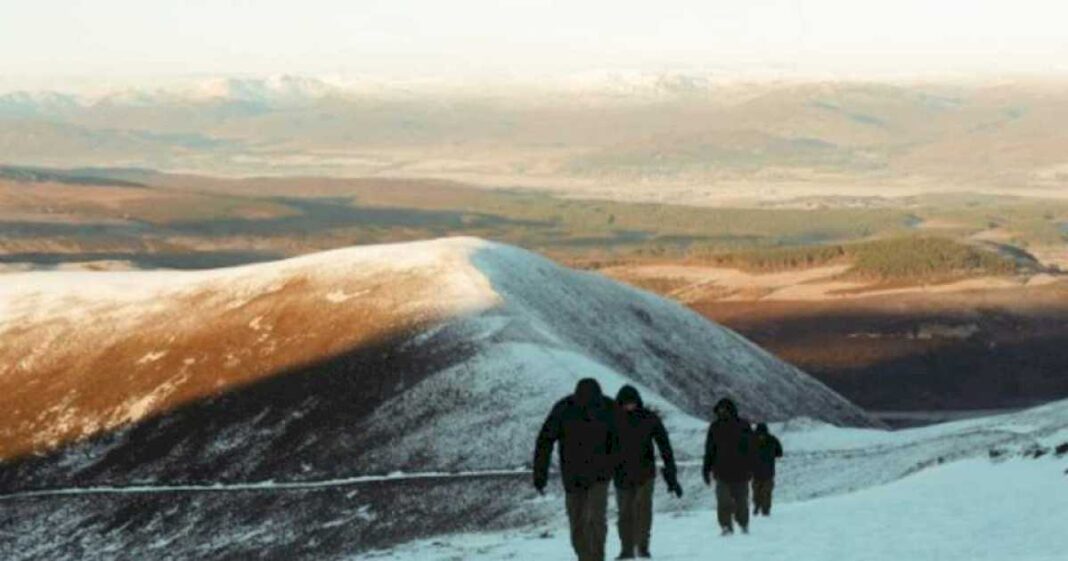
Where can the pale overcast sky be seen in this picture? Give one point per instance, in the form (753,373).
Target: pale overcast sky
(125,38)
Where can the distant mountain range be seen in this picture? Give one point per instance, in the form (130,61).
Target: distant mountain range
(688,138)
(267,91)
(283,90)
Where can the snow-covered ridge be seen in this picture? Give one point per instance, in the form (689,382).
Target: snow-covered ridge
(39,295)
(362,398)
(389,357)
(151,341)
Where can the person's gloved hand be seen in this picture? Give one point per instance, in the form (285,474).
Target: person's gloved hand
(707,478)
(539,484)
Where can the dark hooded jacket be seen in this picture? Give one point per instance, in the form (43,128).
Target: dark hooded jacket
(638,430)
(585,425)
(728,455)
(766,449)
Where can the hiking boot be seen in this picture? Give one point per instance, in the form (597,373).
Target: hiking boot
(727,530)
(644,554)
(626,555)
(745,529)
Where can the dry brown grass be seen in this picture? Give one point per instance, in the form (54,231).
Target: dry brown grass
(159,206)
(97,374)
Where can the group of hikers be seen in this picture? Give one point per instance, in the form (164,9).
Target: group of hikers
(602,440)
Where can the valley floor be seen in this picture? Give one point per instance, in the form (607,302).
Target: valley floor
(974,509)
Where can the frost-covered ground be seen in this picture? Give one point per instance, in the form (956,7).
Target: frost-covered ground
(856,486)
(970,510)
(988,488)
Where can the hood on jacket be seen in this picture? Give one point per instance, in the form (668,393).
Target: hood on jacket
(726,404)
(587,392)
(762,428)
(629,394)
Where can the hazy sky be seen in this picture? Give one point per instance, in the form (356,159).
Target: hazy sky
(123,38)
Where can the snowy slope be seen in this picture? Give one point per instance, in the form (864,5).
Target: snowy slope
(555,326)
(441,355)
(972,510)
(842,494)
(989,488)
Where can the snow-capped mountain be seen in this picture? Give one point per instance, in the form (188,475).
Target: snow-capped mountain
(283,89)
(34,104)
(271,92)
(287,91)
(280,91)
(354,362)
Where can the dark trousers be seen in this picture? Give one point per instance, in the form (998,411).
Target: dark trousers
(587,512)
(635,517)
(732,501)
(762,490)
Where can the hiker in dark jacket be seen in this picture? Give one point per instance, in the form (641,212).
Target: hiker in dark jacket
(639,429)
(584,423)
(728,459)
(766,449)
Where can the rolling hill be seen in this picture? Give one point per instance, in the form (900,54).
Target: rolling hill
(347,403)
(360,361)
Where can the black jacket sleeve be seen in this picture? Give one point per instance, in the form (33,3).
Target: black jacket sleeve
(614,446)
(663,443)
(543,449)
(710,454)
(778,447)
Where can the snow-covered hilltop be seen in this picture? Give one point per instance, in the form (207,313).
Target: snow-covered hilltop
(353,362)
(360,400)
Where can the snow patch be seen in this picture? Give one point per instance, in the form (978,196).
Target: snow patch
(340,296)
(137,408)
(152,356)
